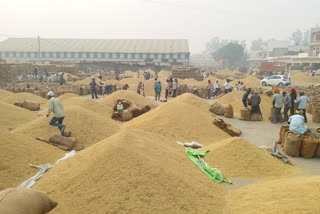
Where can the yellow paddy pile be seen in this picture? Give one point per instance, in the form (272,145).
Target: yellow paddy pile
(237,158)
(132,172)
(128,95)
(17,151)
(185,118)
(67,96)
(294,195)
(251,82)
(235,99)
(20,97)
(4,93)
(88,120)
(230,97)
(303,78)
(13,116)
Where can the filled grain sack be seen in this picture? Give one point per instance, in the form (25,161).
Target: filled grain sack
(308,109)
(20,104)
(282,132)
(268,93)
(317,153)
(292,144)
(308,147)
(217,108)
(124,116)
(25,201)
(145,109)
(135,110)
(228,111)
(65,143)
(245,114)
(315,114)
(256,117)
(31,105)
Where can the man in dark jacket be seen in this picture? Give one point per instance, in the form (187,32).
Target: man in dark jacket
(255,101)
(93,88)
(293,96)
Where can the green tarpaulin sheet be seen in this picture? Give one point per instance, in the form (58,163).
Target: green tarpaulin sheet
(197,158)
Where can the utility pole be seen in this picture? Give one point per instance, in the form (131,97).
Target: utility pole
(39,58)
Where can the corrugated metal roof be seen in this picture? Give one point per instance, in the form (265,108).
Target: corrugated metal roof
(97,45)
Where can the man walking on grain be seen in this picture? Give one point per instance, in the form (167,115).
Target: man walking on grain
(56,107)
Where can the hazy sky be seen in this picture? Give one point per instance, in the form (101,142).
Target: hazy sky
(195,20)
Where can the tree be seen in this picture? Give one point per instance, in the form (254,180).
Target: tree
(306,38)
(256,44)
(232,53)
(214,44)
(297,37)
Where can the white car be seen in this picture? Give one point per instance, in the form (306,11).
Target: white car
(276,80)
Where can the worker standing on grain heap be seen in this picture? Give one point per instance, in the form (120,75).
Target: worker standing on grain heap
(56,107)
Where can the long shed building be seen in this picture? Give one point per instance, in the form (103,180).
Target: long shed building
(77,50)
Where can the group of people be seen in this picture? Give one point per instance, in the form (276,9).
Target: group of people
(170,88)
(283,100)
(288,101)
(216,87)
(146,75)
(254,101)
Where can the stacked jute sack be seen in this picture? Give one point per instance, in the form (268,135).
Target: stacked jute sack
(245,114)
(219,109)
(130,110)
(186,73)
(295,145)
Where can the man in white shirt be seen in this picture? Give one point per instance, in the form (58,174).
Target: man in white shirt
(227,87)
(216,88)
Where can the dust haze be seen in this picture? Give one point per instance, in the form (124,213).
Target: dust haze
(197,21)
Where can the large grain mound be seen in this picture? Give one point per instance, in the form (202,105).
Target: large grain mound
(235,157)
(87,126)
(17,151)
(67,96)
(230,97)
(186,118)
(303,78)
(294,195)
(13,116)
(251,82)
(128,95)
(4,93)
(89,104)
(20,97)
(131,172)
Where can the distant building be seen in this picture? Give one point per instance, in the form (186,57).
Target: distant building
(275,48)
(314,45)
(202,60)
(113,50)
